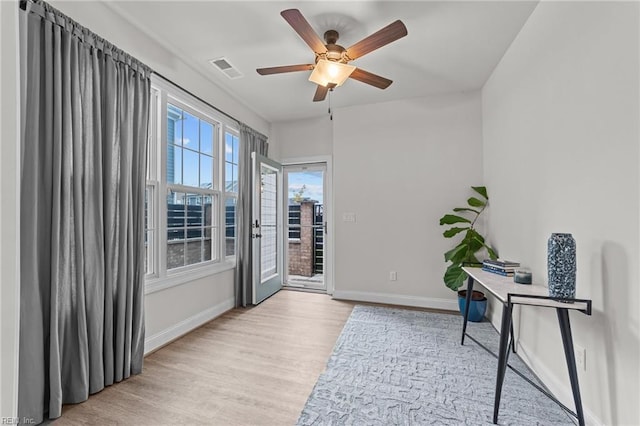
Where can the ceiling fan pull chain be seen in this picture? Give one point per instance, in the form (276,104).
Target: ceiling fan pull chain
(329,111)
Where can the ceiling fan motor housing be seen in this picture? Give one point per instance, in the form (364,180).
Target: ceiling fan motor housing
(335,52)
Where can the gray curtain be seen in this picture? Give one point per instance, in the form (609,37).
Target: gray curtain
(250,141)
(84,134)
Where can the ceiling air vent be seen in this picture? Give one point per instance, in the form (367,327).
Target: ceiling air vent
(223,65)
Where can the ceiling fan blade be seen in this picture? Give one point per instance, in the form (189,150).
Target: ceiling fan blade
(388,34)
(304,30)
(370,78)
(286,68)
(321,93)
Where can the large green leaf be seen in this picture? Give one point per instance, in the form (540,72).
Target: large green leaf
(459,257)
(474,245)
(481,190)
(450,219)
(477,237)
(474,202)
(465,209)
(454,277)
(455,252)
(453,231)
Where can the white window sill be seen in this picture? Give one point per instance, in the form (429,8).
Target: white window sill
(153,285)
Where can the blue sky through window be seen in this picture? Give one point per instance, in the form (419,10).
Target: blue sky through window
(312,182)
(190,150)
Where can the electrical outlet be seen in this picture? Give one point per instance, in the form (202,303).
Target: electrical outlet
(393,276)
(581,357)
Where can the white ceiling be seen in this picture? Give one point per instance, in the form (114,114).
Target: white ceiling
(452,46)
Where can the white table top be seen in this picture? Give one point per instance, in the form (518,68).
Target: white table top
(501,287)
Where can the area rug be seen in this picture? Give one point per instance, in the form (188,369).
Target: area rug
(405,367)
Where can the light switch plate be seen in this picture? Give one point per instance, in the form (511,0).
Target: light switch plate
(348,217)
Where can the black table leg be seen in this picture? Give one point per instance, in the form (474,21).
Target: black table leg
(503,355)
(466,308)
(513,339)
(567,342)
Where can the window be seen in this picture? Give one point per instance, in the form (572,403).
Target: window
(231,148)
(191,198)
(192,184)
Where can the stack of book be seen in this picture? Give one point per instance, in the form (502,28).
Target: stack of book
(505,268)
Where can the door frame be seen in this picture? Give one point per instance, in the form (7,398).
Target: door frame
(328,212)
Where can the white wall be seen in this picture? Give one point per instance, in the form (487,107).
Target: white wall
(301,138)
(9,238)
(399,166)
(172,312)
(560,116)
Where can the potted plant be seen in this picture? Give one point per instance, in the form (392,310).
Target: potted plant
(465,252)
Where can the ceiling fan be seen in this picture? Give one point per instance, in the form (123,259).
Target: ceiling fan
(331,67)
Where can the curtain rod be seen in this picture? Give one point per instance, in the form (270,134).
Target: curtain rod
(23,6)
(198,98)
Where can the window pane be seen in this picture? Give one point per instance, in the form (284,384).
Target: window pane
(193,199)
(190,168)
(176,216)
(175,254)
(194,232)
(228,147)
(207,210)
(208,244)
(230,226)
(174,164)
(236,149)
(191,131)
(234,175)
(206,171)
(206,137)
(194,213)
(268,220)
(147,197)
(194,252)
(210,247)
(228,177)
(148,249)
(174,125)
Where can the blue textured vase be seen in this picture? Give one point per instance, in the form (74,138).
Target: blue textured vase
(561,266)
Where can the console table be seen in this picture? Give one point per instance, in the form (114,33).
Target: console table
(510,294)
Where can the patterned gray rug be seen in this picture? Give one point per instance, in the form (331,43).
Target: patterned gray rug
(402,367)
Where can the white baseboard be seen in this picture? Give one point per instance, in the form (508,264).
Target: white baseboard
(170,334)
(556,387)
(396,299)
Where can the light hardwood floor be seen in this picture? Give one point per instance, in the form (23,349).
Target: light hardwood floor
(254,366)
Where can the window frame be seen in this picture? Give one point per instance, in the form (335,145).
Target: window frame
(163,94)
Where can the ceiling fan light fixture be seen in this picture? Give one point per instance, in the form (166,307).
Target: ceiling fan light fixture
(330,72)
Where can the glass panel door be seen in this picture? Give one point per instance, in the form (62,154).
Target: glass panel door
(266,227)
(306,226)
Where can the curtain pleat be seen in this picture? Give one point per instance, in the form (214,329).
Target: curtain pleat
(250,141)
(84,140)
